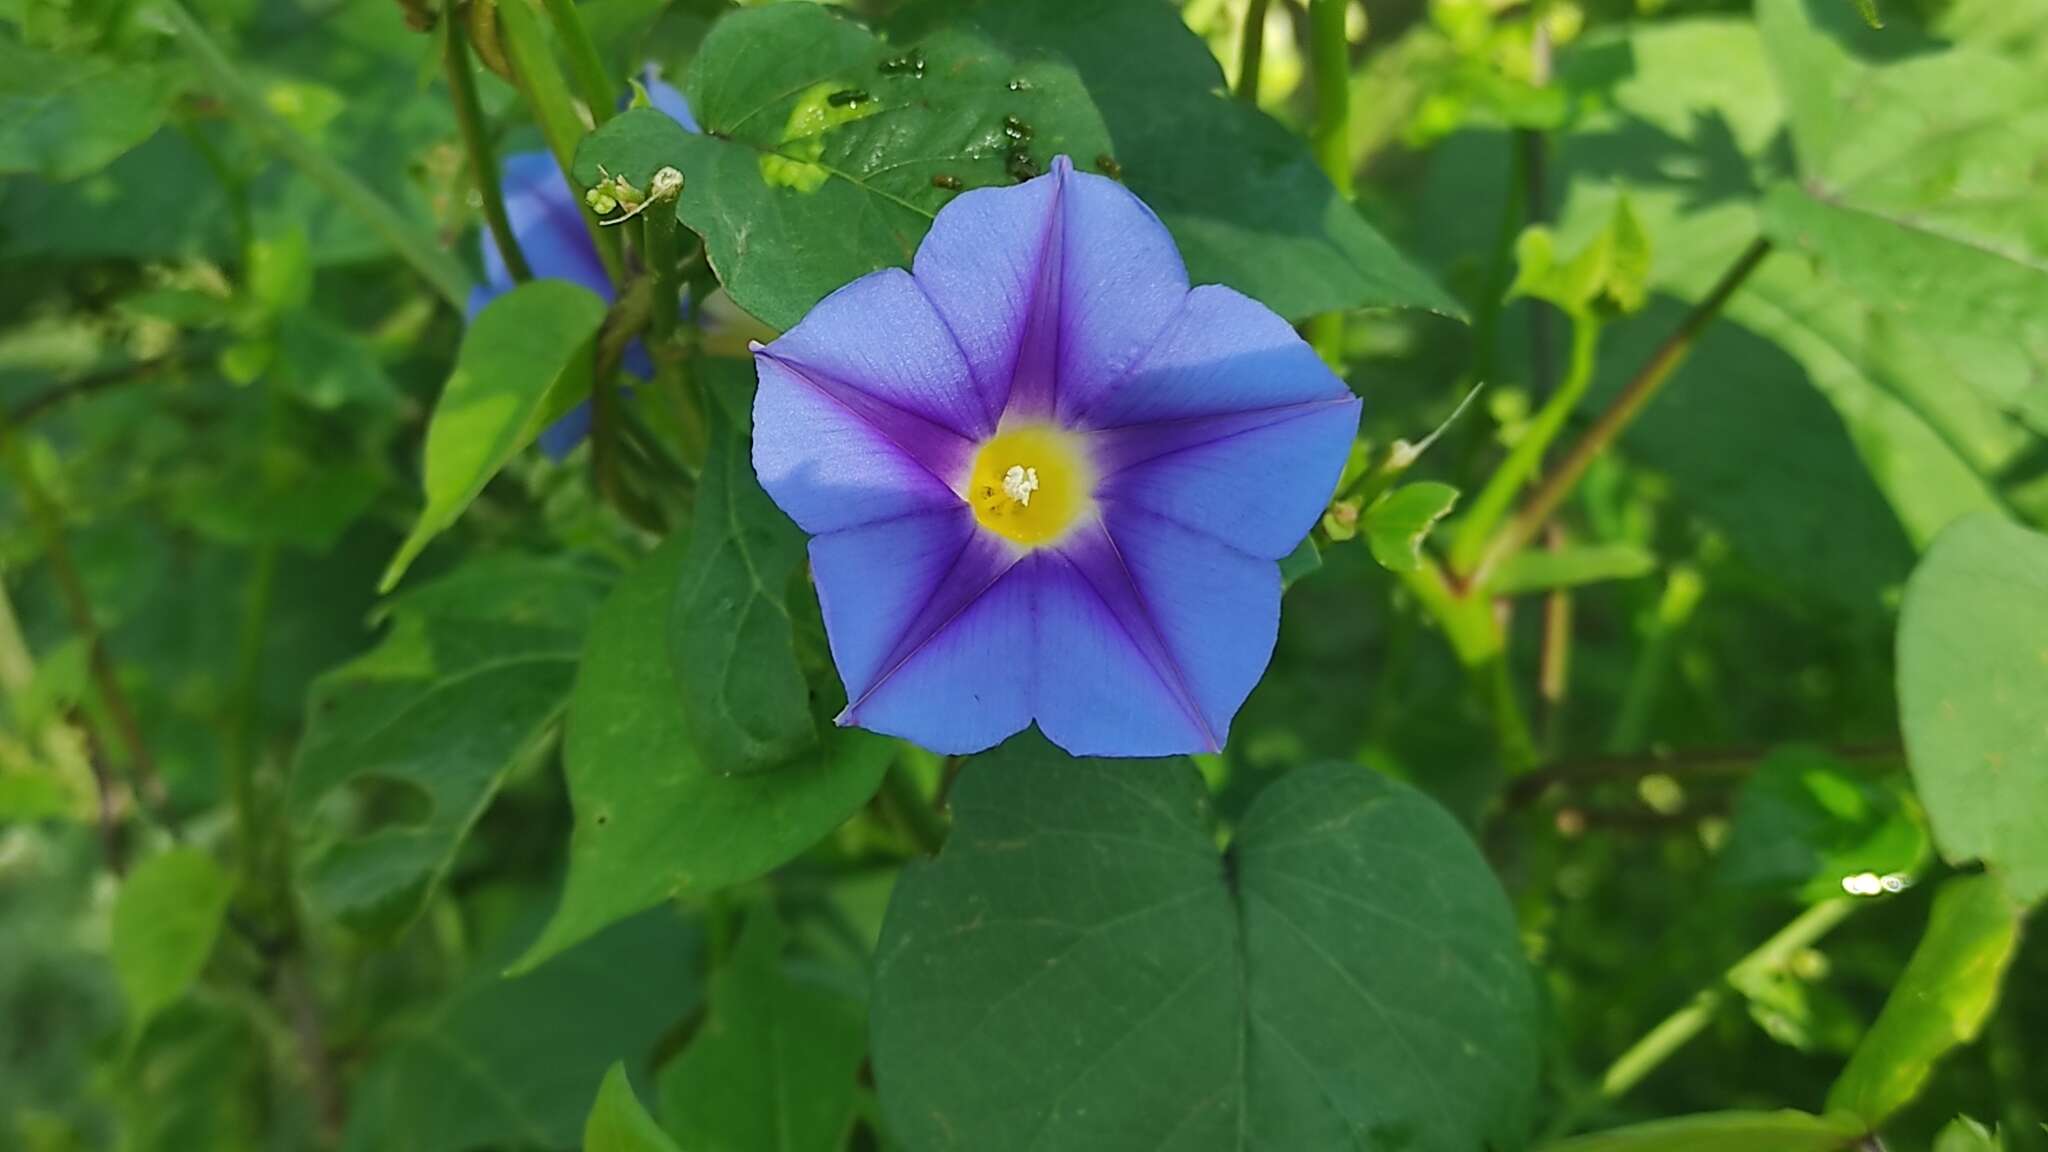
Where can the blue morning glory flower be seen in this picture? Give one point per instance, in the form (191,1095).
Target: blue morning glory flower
(1045,480)
(547,220)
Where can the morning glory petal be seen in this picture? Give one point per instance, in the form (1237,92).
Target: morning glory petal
(880,338)
(1223,353)
(1255,481)
(866,620)
(981,265)
(1121,281)
(832,464)
(1216,609)
(1106,685)
(961,678)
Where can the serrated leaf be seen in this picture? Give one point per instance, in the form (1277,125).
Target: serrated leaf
(469,680)
(166,919)
(1973,673)
(1723,1132)
(1080,970)
(617,1121)
(63,117)
(524,357)
(1939,1003)
(515,1062)
(1395,526)
(745,702)
(653,820)
(827,150)
(777,1062)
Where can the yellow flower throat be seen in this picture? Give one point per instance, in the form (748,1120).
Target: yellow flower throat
(1030,483)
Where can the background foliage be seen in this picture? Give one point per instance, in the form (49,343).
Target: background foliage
(1654,756)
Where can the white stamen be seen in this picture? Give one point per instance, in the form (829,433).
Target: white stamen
(1019,483)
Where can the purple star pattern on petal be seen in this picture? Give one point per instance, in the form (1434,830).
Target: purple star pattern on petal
(548,223)
(1046,481)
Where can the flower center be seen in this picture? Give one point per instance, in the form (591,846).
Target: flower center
(1030,483)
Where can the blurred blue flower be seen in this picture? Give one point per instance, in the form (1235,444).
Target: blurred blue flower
(547,220)
(1046,481)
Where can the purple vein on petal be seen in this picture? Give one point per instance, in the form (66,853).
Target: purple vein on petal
(1094,554)
(981,562)
(1033,387)
(937,449)
(1129,445)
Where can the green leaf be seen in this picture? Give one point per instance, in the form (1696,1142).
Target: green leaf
(1610,274)
(1963,1134)
(1910,193)
(1305,559)
(1723,1132)
(827,151)
(617,1121)
(1397,524)
(166,918)
(525,357)
(515,1062)
(777,1062)
(63,117)
(466,685)
(1540,569)
(1805,821)
(1973,672)
(745,703)
(1079,970)
(653,820)
(1939,1003)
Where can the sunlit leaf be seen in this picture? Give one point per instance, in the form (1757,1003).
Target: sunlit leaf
(1939,1003)
(1973,672)
(1723,1132)
(525,353)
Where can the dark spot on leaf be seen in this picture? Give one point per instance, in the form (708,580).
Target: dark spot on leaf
(1019,164)
(1107,165)
(1017,129)
(848,98)
(1020,84)
(949,183)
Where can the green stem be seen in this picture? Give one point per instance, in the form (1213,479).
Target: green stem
(1330,70)
(469,121)
(1492,504)
(659,232)
(547,96)
(1678,1029)
(1682,590)
(913,809)
(1481,649)
(584,61)
(49,521)
(244,724)
(416,247)
(1519,531)
(1251,49)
